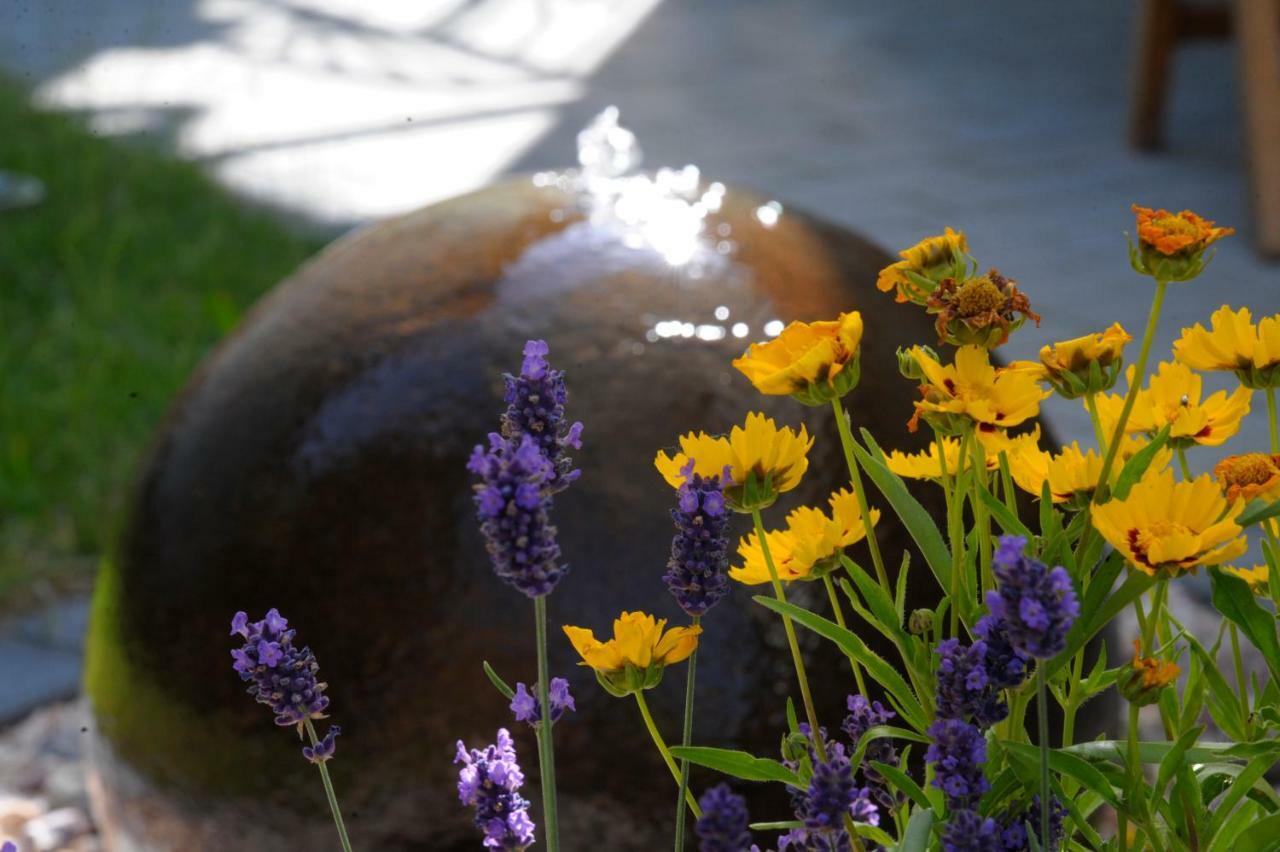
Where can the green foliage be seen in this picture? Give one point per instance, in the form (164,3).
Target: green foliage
(110,290)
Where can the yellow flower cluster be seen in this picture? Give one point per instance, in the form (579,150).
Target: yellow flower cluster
(633,659)
(809,545)
(1165,527)
(972,392)
(813,362)
(759,460)
(1233,342)
(1174,398)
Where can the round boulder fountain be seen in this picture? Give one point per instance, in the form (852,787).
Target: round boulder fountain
(316,462)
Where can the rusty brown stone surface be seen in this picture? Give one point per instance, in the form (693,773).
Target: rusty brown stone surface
(315,462)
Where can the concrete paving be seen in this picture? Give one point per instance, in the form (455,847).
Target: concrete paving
(1004,118)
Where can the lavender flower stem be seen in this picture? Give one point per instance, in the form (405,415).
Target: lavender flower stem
(1042,708)
(846,442)
(328,790)
(686,740)
(790,630)
(664,751)
(546,749)
(980,517)
(1273,428)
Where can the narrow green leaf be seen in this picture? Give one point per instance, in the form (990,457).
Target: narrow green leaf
(884,674)
(1258,837)
(1224,705)
(1172,761)
(738,764)
(876,597)
(1068,764)
(1258,510)
(498,683)
(1239,787)
(1136,466)
(903,782)
(1233,598)
(900,598)
(913,516)
(1007,520)
(1134,586)
(916,837)
(785,825)
(882,732)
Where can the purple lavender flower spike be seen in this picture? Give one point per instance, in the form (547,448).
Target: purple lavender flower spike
(863,716)
(1036,604)
(965,688)
(514,508)
(489,781)
(967,831)
(958,752)
(525,702)
(324,749)
(280,675)
(535,407)
(697,573)
(1006,666)
(1015,824)
(723,825)
(9,846)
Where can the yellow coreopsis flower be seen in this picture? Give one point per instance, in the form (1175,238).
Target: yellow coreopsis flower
(1249,476)
(923,265)
(761,461)
(1167,527)
(971,391)
(1258,577)
(1173,398)
(1073,473)
(754,571)
(1082,365)
(928,464)
(1171,246)
(635,657)
(809,546)
(812,362)
(1234,343)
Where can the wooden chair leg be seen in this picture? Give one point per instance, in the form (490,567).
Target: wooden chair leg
(1258,29)
(1157,34)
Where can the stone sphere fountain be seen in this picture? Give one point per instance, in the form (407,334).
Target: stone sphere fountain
(316,462)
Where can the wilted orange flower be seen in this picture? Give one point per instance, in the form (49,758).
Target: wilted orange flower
(1249,476)
(1148,676)
(1171,234)
(917,274)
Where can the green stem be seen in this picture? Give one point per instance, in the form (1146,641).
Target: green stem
(855,477)
(839,612)
(1182,463)
(981,520)
(686,740)
(1091,403)
(955,520)
(1135,763)
(546,748)
(1006,480)
(1241,680)
(1046,789)
(665,752)
(328,790)
(790,630)
(1272,420)
(1139,374)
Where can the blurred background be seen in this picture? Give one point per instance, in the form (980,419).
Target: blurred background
(163,164)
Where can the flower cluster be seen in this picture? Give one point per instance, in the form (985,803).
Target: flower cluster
(489,781)
(535,407)
(724,821)
(634,659)
(758,461)
(1234,343)
(965,690)
(514,507)
(696,571)
(1036,604)
(982,310)
(967,831)
(524,704)
(1006,667)
(812,362)
(1014,835)
(957,752)
(810,545)
(280,674)
(863,716)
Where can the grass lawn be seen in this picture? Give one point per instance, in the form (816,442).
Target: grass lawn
(110,291)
